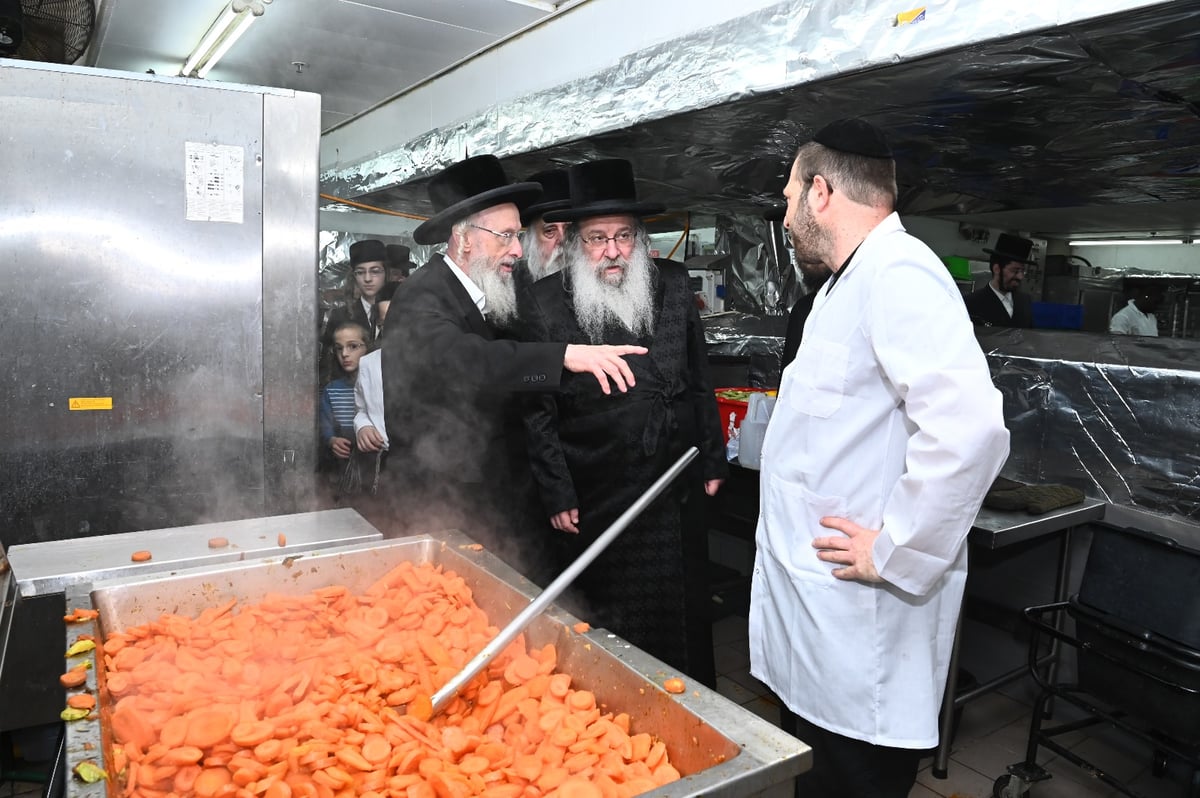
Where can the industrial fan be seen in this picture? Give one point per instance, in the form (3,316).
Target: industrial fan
(57,31)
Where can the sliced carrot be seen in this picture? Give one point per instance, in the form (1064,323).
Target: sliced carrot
(421,707)
(250,733)
(208,726)
(376,749)
(218,543)
(141,556)
(281,539)
(212,782)
(73,678)
(583,627)
(674,685)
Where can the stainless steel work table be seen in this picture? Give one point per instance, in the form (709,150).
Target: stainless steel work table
(51,566)
(995,529)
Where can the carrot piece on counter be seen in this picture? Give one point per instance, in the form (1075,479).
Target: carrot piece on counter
(674,685)
(73,678)
(218,543)
(141,556)
(281,539)
(82,701)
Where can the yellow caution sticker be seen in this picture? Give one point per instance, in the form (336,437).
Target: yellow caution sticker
(90,403)
(916,15)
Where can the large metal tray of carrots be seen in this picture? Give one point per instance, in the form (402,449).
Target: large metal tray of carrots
(308,676)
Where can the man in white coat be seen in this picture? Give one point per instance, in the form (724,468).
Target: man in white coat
(885,437)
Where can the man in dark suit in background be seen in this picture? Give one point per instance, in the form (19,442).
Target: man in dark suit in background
(448,376)
(542,240)
(999,303)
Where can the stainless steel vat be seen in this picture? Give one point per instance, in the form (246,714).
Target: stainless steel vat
(722,749)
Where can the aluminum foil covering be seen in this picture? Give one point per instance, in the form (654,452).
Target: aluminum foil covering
(1117,416)
(990,106)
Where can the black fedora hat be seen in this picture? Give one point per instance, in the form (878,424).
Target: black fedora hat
(556,194)
(1011,248)
(468,187)
(603,188)
(368,251)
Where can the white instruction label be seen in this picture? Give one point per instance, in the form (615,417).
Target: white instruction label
(214,177)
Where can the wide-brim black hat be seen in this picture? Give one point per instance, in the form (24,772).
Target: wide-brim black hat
(468,187)
(1012,248)
(556,194)
(603,188)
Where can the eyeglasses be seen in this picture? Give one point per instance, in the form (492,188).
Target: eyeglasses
(375,271)
(507,238)
(598,240)
(350,347)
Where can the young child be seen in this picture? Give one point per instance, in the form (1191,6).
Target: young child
(337,398)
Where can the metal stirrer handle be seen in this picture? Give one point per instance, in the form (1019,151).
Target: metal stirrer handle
(552,591)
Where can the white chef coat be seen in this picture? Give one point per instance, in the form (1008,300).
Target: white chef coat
(1130,320)
(368,395)
(887,417)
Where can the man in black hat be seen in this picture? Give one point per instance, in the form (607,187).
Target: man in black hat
(999,303)
(447,372)
(885,438)
(400,263)
(542,240)
(593,454)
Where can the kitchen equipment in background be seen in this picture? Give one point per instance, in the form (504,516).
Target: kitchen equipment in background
(754,429)
(709,287)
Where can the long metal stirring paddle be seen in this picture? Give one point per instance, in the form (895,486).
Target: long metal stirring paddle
(552,591)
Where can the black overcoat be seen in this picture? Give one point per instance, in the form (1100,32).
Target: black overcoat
(448,382)
(599,453)
(984,307)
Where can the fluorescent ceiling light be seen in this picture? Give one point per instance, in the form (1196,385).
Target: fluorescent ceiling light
(1126,241)
(223,47)
(228,28)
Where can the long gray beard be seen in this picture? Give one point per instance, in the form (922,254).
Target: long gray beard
(599,304)
(539,266)
(499,289)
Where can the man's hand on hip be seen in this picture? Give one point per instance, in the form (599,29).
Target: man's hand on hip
(852,551)
(604,362)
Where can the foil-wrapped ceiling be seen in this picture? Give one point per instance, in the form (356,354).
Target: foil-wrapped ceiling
(1095,112)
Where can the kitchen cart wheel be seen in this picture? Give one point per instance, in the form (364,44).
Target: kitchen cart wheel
(1008,786)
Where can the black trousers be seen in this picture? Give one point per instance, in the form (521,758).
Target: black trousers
(847,768)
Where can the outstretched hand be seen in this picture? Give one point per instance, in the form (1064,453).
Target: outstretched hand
(604,362)
(853,551)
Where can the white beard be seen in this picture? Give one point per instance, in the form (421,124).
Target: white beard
(499,289)
(599,303)
(540,267)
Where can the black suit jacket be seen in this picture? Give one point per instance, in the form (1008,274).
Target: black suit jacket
(985,308)
(448,379)
(599,452)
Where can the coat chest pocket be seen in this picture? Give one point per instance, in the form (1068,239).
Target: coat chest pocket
(820,378)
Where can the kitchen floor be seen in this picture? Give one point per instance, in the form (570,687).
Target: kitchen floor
(991,736)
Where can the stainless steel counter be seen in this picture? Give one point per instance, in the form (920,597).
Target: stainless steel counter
(50,567)
(994,529)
